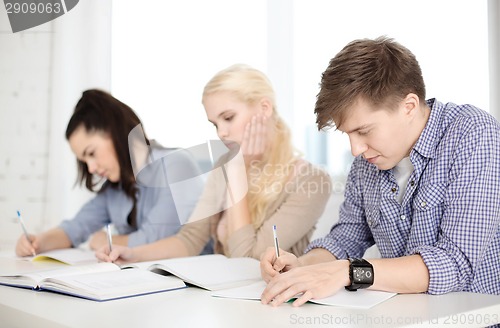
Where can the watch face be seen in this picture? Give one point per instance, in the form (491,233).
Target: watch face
(362,275)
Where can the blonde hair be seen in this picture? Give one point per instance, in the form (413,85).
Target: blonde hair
(250,86)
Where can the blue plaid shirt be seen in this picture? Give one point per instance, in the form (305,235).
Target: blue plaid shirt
(450,213)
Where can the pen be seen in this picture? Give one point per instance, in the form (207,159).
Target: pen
(24,229)
(276,246)
(108,231)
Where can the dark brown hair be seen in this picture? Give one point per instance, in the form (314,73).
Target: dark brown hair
(381,72)
(99,111)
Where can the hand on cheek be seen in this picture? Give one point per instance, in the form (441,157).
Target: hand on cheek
(254,140)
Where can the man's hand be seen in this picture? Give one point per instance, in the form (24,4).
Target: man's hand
(270,266)
(307,282)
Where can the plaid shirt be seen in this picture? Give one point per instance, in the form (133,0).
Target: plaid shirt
(450,213)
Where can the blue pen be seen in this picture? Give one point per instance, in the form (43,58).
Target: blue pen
(24,229)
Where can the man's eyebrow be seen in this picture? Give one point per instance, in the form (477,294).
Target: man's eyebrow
(362,127)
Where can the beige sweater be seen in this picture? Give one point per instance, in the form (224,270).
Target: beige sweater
(295,213)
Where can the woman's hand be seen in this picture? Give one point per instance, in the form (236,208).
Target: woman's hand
(119,254)
(253,146)
(54,238)
(255,139)
(25,247)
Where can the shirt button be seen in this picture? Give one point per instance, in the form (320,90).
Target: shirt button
(403,217)
(423,204)
(393,189)
(370,223)
(412,183)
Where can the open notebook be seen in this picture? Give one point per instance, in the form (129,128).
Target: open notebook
(359,299)
(211,272)
(97,281)
(10,265)
(71,256)
(105,281)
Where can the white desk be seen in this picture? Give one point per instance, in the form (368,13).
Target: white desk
(193,307)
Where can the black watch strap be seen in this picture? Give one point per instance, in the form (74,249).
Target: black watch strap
(360,274)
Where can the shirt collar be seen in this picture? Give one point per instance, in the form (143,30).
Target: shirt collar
(429,138)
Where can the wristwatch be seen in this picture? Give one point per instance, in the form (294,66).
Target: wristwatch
(360,274)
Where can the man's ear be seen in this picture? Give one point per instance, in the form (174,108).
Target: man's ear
(266,107)
(411,104)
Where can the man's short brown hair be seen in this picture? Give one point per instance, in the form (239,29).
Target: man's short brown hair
(381,72)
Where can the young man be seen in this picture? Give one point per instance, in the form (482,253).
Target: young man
(424,187)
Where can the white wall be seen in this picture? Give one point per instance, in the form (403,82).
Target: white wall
(42,73)
(162,59)
(24,107)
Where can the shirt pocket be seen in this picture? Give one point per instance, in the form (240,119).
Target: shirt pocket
(428,207)
(429,197)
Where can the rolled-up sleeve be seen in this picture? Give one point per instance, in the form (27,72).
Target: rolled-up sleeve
(89,219)
(471,215)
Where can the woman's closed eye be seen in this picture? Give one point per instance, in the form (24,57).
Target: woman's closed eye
(363,133)
(86,154)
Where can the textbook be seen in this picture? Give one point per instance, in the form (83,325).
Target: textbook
(361,298)
(211,272)
(97,281)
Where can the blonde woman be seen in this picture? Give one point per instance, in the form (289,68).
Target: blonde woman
(283,189)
